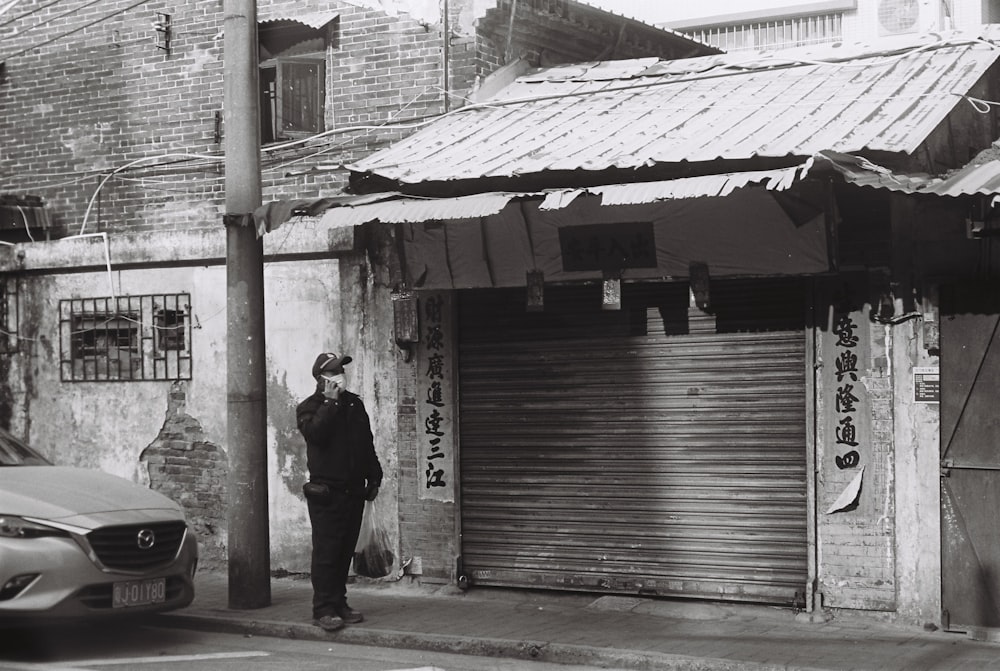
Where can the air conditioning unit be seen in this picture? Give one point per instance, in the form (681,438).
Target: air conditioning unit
(898,17)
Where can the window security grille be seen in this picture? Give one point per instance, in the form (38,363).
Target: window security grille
(125,338)
(777,34)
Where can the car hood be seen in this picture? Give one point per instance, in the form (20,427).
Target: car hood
(71,494)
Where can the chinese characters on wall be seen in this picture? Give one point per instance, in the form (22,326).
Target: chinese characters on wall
(847,408)
(435,401)
(846,400)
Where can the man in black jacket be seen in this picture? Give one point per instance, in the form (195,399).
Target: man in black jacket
(344,472)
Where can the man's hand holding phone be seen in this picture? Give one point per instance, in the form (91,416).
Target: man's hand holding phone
(331,389)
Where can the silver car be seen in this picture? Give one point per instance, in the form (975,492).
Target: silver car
(81,543)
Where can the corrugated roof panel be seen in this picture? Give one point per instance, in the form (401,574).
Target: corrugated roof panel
(984,179)
(315,20)
(975,178)
(412,210)
(396,208)
(580,118)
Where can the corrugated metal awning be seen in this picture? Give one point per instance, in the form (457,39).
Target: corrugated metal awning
(281,32)
(637,113)
(314,20)
(396,208)
(977,178)
(981,178)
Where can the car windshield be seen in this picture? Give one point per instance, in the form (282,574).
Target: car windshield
(15,453)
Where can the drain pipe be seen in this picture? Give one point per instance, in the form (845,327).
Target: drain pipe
(446,53)
(814,365)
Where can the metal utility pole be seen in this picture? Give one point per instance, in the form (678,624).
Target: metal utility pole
(246,434)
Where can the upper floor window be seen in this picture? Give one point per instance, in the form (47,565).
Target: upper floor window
(293,75)
(294,97)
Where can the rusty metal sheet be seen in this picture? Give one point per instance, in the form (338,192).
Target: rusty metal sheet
(630,114)
(398,208)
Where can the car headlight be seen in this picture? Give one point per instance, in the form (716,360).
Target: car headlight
(17,527)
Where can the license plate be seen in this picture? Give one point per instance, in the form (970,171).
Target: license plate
(139,592)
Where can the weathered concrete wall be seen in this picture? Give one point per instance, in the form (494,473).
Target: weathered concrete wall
(918,486)
(172,434)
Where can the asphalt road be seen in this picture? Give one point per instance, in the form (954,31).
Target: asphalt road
(141,647)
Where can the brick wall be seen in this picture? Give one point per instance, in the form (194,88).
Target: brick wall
(83,100)
(89,102)
(427,526)
(192,471)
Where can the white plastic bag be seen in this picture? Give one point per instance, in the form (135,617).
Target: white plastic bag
(367,528)
(373,557)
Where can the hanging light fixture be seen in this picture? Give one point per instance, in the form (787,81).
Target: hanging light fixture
(535,299)
(162,26)
(699,281)
(406,321)
(611,290)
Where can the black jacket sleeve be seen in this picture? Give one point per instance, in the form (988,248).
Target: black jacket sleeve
(372,467)
(316,417)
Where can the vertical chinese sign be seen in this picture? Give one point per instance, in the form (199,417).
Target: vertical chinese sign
(848,408)
(845,397)
(435,396)
(855,528)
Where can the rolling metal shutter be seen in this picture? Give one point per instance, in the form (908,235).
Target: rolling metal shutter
(635,451)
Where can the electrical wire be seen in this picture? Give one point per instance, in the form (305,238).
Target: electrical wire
(56,18)
(367,133)
(75,30)
(97,191)
(24,219)
(30,12)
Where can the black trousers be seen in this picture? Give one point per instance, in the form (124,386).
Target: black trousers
(335,526)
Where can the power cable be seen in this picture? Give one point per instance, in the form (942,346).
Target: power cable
(57,17)
(30,12)
(76,30)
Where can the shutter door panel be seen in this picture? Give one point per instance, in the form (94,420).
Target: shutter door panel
(636,453)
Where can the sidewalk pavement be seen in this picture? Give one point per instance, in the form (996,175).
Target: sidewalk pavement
(587,629)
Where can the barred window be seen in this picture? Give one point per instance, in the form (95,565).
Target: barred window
(125,338)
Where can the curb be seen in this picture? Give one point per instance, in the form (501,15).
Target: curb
(542,651)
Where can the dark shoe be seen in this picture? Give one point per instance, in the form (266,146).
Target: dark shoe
(349,615)
(329,623)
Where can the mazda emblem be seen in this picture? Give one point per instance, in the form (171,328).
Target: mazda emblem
(146,539)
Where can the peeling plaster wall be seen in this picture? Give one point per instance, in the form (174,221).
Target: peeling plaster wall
(130,428)
(304,317)
(182,464)
(372,375)
(918,487)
